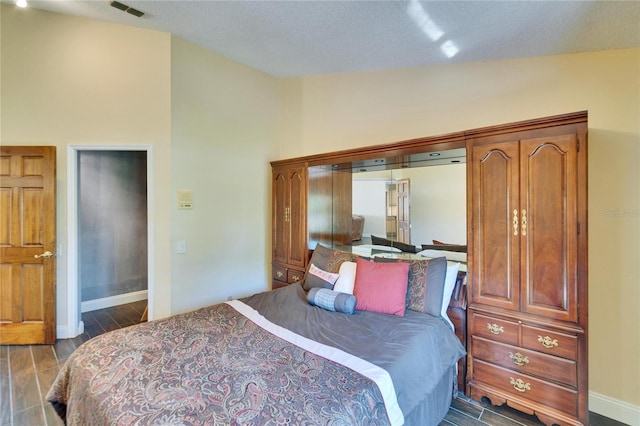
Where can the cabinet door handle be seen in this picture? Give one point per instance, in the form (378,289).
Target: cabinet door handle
(519,385)
(524,223)
(495,328)
(548,342)
(515,222)
(287,214)
(518,359)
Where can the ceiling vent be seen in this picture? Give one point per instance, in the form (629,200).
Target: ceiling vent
(125,8)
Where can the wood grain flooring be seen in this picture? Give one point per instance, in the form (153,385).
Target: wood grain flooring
(26,373)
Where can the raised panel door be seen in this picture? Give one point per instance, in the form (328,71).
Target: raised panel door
(496,230)
(548,217)
(296,217)
(404,211)
(27,245)
(280,230)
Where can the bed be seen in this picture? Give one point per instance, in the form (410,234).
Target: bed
(271,358)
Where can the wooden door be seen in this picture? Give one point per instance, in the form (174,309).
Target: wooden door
(548,215)
(296,217)
(404,212)
(289,210)
(27,232)
(280,232)
(496,225)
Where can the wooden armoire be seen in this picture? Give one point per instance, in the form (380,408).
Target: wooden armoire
(525,325)
(527,312)
(289,204)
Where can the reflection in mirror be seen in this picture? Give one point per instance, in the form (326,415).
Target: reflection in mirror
(436,201)
(415,200)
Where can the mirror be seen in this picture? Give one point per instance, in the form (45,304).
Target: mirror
(432,206)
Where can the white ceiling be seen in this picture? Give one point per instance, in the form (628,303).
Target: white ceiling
(308,37)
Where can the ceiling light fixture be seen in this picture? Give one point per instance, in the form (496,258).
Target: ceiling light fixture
(21,3)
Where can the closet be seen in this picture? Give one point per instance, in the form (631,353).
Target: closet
(527,310)
(525,324)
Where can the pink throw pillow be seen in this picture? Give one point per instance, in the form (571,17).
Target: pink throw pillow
(381,287)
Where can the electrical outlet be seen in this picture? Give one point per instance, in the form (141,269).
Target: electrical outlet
(182,247)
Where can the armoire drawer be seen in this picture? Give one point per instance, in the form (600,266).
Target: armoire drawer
(294,276)
(537,364)
(551,342)
(495,329)
(279,273)
(524,386)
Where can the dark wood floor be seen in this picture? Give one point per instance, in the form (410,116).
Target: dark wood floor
(26,373)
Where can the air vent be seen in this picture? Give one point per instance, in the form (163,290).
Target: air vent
(125,8)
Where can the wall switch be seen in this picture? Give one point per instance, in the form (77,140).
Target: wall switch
(185,200)
(182,246)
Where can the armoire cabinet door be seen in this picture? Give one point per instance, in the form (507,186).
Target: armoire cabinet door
(297,217)
(289,216)
(549,226)
(496,230)
(280,201)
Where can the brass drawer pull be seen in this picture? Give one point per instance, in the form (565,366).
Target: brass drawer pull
(547,342)
(296,278)
(518,359)
(495,328)
(519,385)
(279,274)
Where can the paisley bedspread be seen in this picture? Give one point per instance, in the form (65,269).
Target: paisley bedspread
(213,366)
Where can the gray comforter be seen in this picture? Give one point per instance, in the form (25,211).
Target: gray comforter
(216,366)
(416,349)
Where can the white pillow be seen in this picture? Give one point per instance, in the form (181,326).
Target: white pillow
(347,278)
(449,284)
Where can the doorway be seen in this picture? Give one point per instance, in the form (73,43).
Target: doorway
(110,225)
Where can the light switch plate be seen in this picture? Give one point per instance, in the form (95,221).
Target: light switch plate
(182,247)
(185,200)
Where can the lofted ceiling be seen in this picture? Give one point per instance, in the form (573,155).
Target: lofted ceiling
(310,37)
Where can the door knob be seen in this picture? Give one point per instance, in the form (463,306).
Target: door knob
(47,254)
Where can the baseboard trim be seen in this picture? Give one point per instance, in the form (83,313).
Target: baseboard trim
(614,409)
(107,302)
(63,331)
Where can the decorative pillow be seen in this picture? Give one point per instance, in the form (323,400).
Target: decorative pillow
(426,283)
(380,241)
(347,278)
(332,300)
(328,260)
(449,283)
(381,287)
(437,245)
(321,278)
(407,248)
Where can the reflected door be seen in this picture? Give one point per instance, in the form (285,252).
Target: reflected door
(27,245)
(404,217)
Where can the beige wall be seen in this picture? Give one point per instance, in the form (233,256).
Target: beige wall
(225,118)
(72,81)
(212,125)
(358,109)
